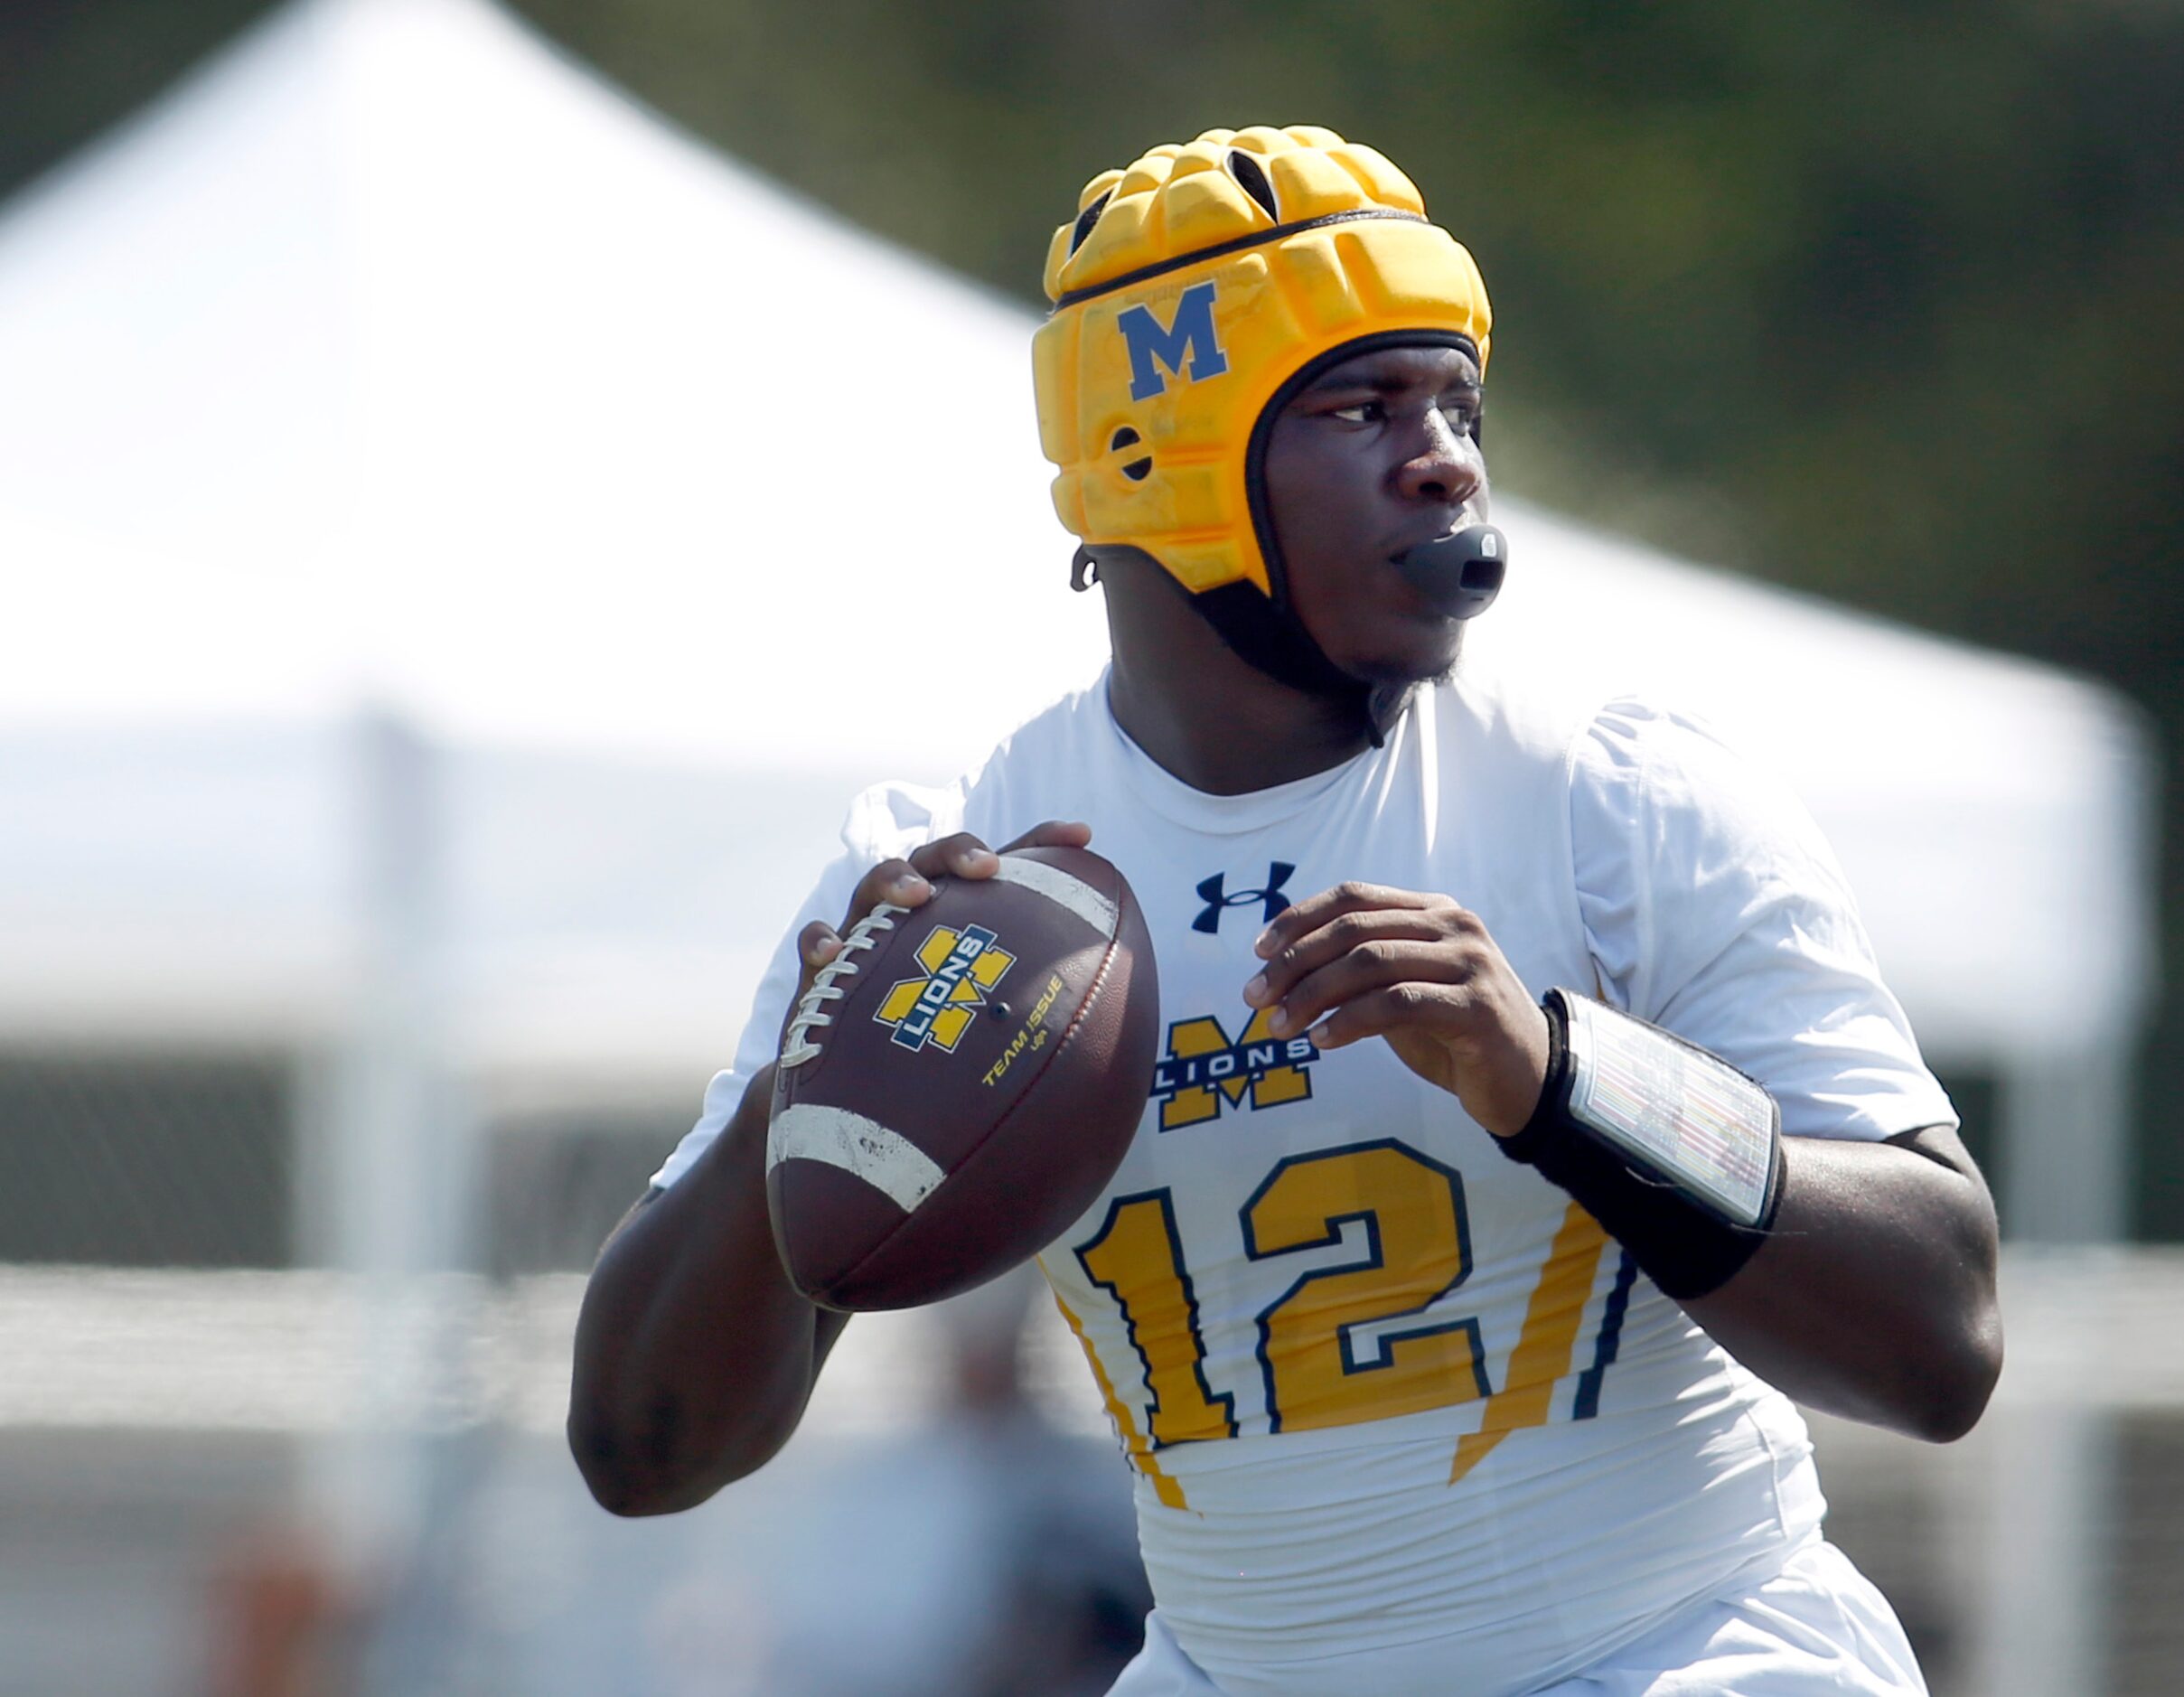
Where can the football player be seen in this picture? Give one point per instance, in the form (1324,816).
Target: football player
(1531,1125)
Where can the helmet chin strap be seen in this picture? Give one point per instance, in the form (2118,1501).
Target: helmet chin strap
(1268,638)
(1459,576)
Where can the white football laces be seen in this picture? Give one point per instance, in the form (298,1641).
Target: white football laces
(796,1045)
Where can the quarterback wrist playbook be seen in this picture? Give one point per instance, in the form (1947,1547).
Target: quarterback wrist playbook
(1674,1151)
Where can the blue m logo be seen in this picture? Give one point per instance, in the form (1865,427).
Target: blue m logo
(1189,337)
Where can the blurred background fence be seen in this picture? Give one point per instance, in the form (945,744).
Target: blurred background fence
(409,747)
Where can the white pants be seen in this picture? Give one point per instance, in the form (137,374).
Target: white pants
(1817,1627)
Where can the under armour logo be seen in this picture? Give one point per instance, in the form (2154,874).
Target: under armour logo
(1210,892)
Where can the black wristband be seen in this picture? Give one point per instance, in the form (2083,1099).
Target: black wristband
(1686,1246)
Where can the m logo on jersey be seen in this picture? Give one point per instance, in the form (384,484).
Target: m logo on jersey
(1271,899)
(938,1007)
(1190,335)
(1204,1071)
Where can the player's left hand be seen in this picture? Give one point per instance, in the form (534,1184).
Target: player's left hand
(1421,971)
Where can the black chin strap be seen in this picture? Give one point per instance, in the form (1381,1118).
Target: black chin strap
(1270,639)
(1459,575)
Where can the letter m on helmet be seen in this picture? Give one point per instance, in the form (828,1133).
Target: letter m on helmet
(1189,337)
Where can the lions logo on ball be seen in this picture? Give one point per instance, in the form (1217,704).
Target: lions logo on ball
(960,967)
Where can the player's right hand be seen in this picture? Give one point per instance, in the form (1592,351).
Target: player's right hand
(907,884)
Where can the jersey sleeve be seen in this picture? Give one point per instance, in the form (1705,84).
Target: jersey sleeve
(1713,907)
(882,823)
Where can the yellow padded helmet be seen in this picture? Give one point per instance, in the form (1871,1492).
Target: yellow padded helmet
(1191,294)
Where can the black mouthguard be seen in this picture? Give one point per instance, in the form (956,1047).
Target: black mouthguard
(1461,574)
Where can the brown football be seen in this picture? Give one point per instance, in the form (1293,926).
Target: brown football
(962,1082)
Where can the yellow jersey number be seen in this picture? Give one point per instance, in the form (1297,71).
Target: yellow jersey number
(1417,1249)
(1320,1366)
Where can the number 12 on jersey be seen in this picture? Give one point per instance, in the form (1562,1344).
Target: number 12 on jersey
(1331,1348)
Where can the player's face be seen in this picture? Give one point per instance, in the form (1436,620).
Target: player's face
(1376,455)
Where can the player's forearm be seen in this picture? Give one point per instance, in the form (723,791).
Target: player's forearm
(1873,1296)
(694,1353)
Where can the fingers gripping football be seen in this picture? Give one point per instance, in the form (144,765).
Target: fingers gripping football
(1419,971)
(907,884)
(963,1077)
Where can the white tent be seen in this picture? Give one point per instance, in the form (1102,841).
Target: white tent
(394,359)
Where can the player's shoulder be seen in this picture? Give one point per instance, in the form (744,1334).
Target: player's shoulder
(892,817)
(1542,716)
(1606,734)
(1637,768)
(1659,781)
(1073,724)
(1641,741)
(1022,780)
(1670,756)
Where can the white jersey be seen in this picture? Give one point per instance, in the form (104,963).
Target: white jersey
(1402,1418)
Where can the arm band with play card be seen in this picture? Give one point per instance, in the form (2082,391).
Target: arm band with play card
(1676,1153)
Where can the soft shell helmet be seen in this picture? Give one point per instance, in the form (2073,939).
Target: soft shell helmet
(1193,294)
